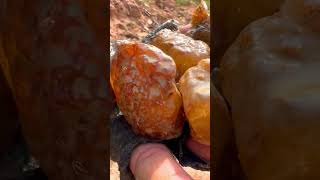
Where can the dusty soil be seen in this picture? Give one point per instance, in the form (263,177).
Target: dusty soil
(133,19)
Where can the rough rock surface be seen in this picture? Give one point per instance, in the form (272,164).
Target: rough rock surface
(231,16)
(55,56)
(143,80)
(270,80)
(185,51)
(194,86)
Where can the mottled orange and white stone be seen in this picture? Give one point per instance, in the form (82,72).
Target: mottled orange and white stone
(143,80)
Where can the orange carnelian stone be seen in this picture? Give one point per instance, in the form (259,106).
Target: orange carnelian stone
(195,89)
(200,14)
(185,51)
(143,80)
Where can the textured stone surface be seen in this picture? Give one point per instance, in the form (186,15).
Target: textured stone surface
(200,14)
(270,79)
(56,59)
(143,80)
(194,86)
(231,16)
(185,51)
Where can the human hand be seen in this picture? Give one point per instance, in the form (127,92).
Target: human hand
(155,161)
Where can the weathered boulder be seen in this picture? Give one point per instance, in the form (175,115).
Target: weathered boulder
(269,77)
(58,70)
(231,16)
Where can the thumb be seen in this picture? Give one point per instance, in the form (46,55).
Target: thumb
(155,162)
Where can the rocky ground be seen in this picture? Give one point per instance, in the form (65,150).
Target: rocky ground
(133,19)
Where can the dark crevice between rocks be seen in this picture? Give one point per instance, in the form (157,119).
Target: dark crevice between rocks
(18,164)
(15,161)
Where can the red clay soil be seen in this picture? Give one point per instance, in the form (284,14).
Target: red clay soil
(134,19)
